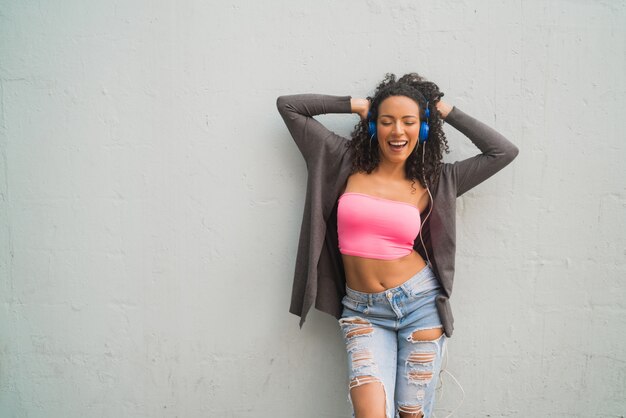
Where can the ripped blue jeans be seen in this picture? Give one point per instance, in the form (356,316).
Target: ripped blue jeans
(378,330)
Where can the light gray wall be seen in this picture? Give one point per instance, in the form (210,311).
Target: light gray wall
(150,203)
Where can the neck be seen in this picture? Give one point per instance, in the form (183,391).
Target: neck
(392,170)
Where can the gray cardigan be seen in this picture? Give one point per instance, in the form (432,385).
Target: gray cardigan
(319,277)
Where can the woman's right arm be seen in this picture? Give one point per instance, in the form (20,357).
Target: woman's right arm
(310,135)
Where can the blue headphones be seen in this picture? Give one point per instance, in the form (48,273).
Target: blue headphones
(424,127)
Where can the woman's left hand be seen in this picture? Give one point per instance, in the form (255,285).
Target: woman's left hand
(443,108)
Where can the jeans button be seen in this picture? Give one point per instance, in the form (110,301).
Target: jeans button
(389,295)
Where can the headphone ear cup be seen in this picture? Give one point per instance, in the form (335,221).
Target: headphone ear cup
(372,128)
(424,128)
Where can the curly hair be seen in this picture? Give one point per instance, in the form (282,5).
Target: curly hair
(366,156)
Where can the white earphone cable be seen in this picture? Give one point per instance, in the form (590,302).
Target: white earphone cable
(430,204)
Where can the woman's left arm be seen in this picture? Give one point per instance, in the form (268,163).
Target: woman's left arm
(496,151)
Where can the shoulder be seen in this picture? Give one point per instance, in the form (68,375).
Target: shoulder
(445,181)
(446,172)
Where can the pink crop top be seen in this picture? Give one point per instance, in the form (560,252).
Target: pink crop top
(373,227)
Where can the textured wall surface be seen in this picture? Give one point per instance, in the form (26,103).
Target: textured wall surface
(151,197)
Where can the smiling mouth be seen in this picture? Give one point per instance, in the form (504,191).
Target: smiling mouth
(397,145)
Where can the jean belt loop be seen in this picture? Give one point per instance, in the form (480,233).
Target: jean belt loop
(405,290)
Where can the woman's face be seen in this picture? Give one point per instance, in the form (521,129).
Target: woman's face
(397,128)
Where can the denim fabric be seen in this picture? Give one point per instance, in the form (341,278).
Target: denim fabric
(377,329)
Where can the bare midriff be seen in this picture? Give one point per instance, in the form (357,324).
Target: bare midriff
(372,276)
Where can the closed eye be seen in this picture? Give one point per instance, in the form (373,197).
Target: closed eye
(390,123)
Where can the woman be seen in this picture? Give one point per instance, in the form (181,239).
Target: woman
(377,242)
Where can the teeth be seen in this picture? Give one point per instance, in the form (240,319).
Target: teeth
(398,142)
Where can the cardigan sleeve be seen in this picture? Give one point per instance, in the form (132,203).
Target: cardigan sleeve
(496,151)
(310,135)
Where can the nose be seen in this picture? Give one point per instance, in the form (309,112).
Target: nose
(398,129)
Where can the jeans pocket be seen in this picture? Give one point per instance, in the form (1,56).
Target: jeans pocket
(354,305)
(427,288)
(422,284)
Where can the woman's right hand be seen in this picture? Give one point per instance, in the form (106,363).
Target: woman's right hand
(361,107)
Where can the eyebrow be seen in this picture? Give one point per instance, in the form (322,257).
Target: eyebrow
(405,116)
